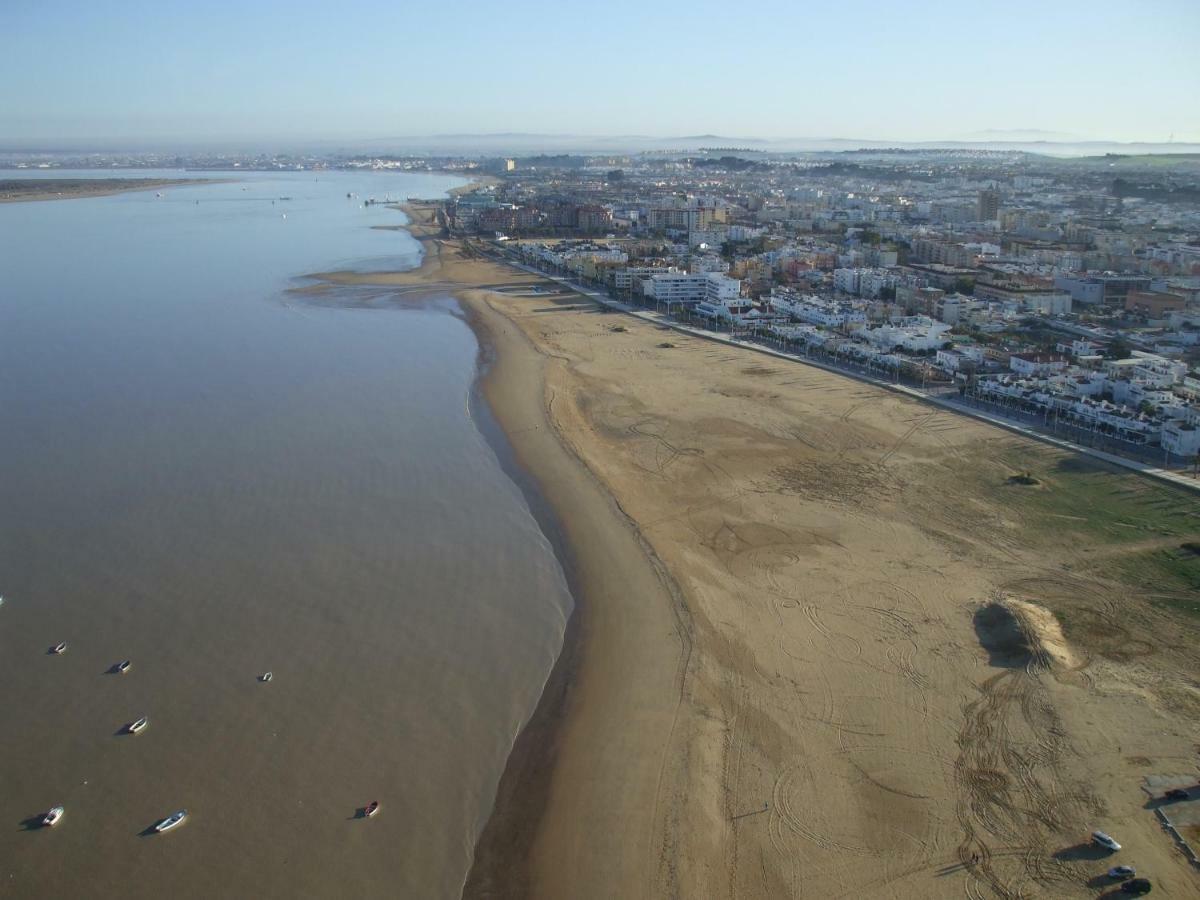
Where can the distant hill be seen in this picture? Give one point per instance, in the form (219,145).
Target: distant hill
(526,143)
(517,143)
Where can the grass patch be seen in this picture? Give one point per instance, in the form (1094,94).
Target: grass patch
(1089,500)
(1166,570)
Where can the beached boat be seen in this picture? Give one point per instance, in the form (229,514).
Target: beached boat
(371,808)
(139,725)
(123,666)
(60,647)
(266,676)
(174,820)
(51,818)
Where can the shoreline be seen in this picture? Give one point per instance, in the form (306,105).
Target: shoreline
(570,809)
(83,188)
(523,791)
(560,780)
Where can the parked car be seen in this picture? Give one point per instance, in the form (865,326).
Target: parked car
(1137,886)
(1100,839)
(1176,794)
(1122,872)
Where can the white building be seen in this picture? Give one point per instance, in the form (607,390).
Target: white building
(953,359)
(744,233)
(626,279)
(817,310)
(1029,364)
(845,280)
(675,288)
(863,282)
(1182,436)
(911,333)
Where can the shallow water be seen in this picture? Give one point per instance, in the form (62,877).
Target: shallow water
(211,479)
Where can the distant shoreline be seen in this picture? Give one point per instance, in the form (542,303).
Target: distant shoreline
(27,190)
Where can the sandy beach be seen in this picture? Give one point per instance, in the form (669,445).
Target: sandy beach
(825,644)
(22,190)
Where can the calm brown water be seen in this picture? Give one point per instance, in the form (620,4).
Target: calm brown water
(212,482)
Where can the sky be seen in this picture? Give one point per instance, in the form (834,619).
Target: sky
(903,70)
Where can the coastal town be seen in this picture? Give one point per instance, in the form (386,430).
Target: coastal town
(555,452)
(825,615)
(1061,294)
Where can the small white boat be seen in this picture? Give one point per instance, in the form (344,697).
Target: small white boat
(123,666)
(266,676)
(52,817)
(60,647)
(370,809)
(173,820)
(139,725)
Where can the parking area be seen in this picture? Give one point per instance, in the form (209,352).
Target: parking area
(1179,817)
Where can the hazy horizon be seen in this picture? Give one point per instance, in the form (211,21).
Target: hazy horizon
(155,74)
(533,144)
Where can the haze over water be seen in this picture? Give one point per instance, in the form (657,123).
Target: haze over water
(209,477)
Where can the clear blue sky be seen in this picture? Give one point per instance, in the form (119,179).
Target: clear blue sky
(881,69)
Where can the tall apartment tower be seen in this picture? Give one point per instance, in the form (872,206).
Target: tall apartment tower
(988,207)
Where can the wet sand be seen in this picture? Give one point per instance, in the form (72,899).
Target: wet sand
(787,678)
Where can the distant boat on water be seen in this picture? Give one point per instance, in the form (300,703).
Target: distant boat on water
(172,821)
(266,676)
(52,818)
(139,725)
(59,648)
(370,809)
(122,667)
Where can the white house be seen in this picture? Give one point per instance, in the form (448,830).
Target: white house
(1037,363)
(912,333)
(1182,436)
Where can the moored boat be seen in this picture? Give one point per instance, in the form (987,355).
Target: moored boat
(266,676)
(371,808)
(59,647)
(52,817)
(139,725)
(172,821)
(123,666)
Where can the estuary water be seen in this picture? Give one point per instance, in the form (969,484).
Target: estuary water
(203,475)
